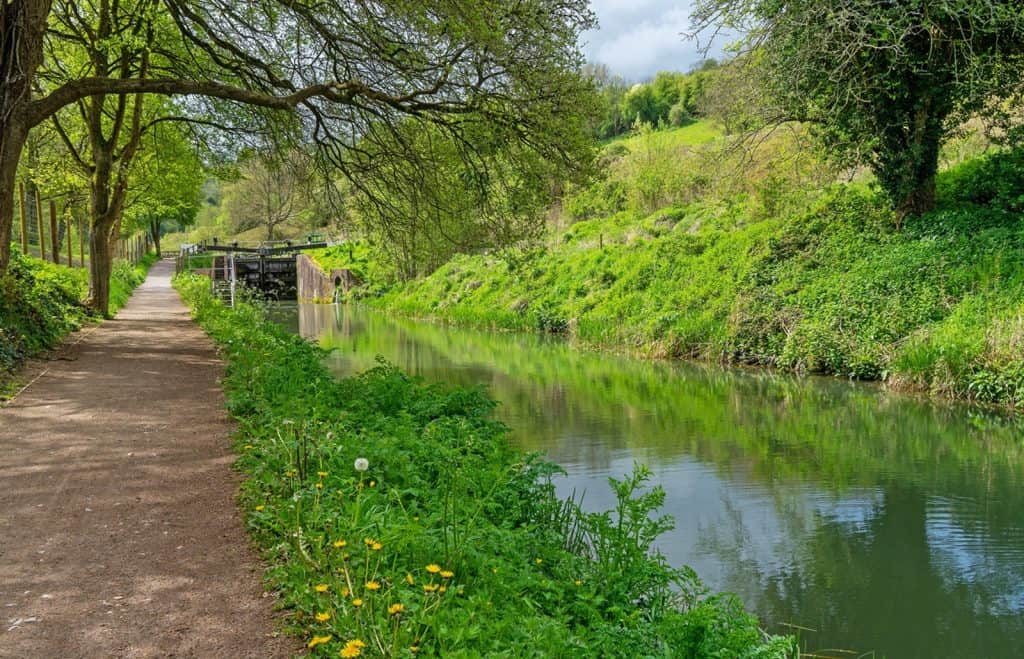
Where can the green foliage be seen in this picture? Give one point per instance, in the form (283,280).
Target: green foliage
(41,302)
(672,99)
(884,83)
(448,520)
(824,284)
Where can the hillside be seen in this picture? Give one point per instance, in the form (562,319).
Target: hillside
(778,270)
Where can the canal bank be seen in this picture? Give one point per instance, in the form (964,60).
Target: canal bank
(881,522)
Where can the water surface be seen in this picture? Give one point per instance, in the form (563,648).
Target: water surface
(870,522)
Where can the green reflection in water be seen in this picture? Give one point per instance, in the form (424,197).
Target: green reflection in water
(883,522)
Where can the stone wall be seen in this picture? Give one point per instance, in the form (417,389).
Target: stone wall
(315,285)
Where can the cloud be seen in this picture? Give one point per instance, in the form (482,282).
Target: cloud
(638,38)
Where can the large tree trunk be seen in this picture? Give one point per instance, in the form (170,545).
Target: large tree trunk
(22,27)
(101,262)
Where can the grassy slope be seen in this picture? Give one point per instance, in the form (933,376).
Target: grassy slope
(821,282)
(41,302)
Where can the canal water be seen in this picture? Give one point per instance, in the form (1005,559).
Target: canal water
(869,523)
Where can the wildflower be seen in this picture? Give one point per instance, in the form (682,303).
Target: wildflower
(260,508)
(372,585)
(442,589)
(373,483)
(323,616)
(447,574)
(538,561)
(362,464)
(319,486)
(357,602)
(395,609)
(322,474)
(414,649)
(368,541)
(338,544)
(247,447)
(433,568)
(409,580)
(318,640)
(351,651)
(430,587)
(344,591)
(579,583)
(320,588)
(376,546)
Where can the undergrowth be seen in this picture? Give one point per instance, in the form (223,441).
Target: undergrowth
(399,521)
(41,302)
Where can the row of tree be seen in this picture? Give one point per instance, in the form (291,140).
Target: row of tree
(350,82)
(671,98)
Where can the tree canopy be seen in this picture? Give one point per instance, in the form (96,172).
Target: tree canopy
(883,83)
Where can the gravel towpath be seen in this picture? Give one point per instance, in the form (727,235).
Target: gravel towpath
(119,531)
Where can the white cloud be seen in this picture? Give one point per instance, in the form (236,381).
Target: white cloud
(638,38)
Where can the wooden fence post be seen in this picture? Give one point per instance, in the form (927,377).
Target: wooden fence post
(39,225)
(24,219)
(54,238)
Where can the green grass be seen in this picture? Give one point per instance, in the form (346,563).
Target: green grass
(41,302)
(823,281)
(449,524)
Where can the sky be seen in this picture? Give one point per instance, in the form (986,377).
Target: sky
(638,38)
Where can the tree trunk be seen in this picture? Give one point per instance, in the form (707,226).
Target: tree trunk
(101,263)
(154,233)
(22,28)
(12,138)
(920,199)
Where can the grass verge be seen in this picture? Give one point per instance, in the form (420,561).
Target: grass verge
(40,303)
(399,521)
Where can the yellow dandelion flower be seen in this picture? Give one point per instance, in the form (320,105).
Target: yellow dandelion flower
(351,651)
(433,568)
(395,609)
(320,588)
(414,649)
(356,643)
(538,561)
(318,640)
(344,591)
(372,585)
(322,474)
(373,483)
(247,447)
(578,582)
(447,574)
(260,508)
(376,546)
(409,580)
(357,602)
(430,587)
(338,544)
(323,616)
(368,541)
(442,589)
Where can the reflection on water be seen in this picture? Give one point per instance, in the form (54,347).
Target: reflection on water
(883,523)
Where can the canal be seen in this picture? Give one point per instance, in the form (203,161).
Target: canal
(868,523)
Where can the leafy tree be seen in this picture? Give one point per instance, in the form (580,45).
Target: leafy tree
(884,82)
(336,69)
(268,194)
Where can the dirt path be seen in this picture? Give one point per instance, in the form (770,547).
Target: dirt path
(119,533)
